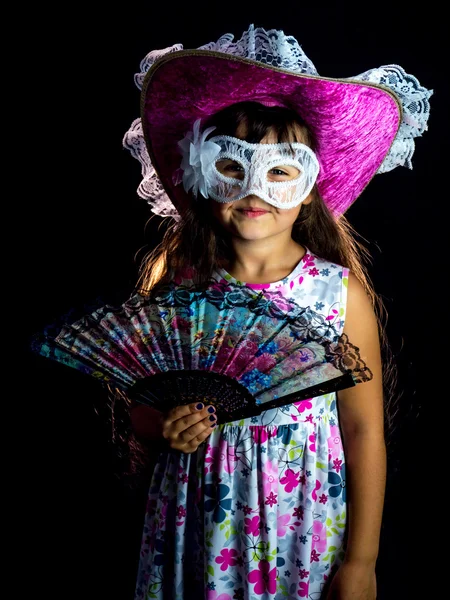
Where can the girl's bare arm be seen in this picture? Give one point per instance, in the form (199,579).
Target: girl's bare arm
(361,415)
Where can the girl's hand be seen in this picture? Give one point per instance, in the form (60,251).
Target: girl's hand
(186,427)
(353,582)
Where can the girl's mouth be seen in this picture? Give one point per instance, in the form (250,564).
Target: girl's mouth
(249,212)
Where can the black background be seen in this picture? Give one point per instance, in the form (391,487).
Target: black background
(83,230)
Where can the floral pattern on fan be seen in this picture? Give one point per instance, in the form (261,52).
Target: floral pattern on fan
(274,350)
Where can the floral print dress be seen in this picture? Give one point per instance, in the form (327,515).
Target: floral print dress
(258,512)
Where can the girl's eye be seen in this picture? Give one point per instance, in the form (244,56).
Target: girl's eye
(283,174)
(230,168)
(236,167)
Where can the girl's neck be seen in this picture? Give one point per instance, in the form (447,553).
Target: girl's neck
(263,265)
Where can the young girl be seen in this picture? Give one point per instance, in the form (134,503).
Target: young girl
(256,158)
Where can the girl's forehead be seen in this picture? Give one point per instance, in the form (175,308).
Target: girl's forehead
(294,134)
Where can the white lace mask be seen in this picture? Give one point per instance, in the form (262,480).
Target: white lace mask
(228,169)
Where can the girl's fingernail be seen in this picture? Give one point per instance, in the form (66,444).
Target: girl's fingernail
(214,424)
(211,409)
(212,418)
(199,406)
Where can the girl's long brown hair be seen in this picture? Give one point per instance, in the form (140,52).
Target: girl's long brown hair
(197,241)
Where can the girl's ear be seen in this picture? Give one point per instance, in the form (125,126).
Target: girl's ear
(308,198)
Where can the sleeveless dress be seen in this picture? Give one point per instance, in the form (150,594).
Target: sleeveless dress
(258,512)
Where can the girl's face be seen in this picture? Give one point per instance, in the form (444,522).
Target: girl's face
(251,218)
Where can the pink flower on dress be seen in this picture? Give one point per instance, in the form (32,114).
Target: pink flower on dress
(337,464)
(303,405)
(312,439)
(319,537)
(282,523)
(226,559)
(262,434)
(271,499)
(314,556)
(269,478)
(303,573)
(308,260)
(231,461)
(314,492)
(303,589)
(298,512)
(222,456)
(259,286)
(290,480)
(251,526)
(264,578)
(334,442)
(212,457)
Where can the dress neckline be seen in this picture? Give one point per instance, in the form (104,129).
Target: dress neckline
(270,285)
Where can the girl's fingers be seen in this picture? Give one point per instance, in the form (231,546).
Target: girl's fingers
(197,440)
(183,417)
(185,410)
(197,431)
(187,421)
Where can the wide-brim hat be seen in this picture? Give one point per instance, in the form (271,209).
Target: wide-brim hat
(363,125)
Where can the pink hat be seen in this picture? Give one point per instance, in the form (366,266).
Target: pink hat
(363,125)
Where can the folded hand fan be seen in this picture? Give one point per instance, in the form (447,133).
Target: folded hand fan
(241,351)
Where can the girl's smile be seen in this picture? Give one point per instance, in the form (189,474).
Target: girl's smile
(252,213)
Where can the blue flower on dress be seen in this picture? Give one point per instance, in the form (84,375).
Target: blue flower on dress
(325,272)
(317,572)
(337,481)
(327,290)
(285,433)
(218,502)
(319,305)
